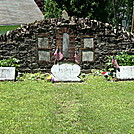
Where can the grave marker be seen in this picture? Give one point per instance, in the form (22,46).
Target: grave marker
(7,73)
(126,72)
(66,45)
(66,72)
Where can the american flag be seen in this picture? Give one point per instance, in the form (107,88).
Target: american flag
(58,55)
(76,57)
(115,63)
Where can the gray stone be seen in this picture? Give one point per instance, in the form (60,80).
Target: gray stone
(66,45)
(65,15)
(3,51)
(34,65)
(66,72)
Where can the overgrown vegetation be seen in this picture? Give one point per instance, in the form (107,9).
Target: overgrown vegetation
(52,9)
(33,76)
(10,62)
(123,59)
(105,10)
(95,106)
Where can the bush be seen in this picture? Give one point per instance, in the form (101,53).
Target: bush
(33,76)
(10,62)
(123,59)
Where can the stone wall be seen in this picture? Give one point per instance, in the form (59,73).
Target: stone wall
(22,43)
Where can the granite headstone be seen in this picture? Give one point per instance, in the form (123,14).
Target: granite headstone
(66,72)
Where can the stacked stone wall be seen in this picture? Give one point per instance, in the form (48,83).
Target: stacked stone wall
(22,42)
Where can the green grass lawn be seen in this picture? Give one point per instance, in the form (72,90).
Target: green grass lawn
(95,106)
(4,29)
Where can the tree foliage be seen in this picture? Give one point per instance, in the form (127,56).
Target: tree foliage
(112,11)
(52,9)
(118,10)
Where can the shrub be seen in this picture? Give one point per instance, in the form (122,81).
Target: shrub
(33,76)
(10,62)
(123,59)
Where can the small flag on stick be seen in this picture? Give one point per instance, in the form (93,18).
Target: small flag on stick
(115,63)
(76,57)
(58,55)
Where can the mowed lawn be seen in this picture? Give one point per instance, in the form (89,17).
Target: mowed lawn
(95,106)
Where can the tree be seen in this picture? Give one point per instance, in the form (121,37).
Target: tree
(111,11)
(79,8)
(52,9)
(119,10)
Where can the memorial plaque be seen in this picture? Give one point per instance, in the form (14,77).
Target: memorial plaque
(44,55)
(43,42)
(88,43)
(66,72)
(66,45)
(126,72)
(87,55)
(7,73)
